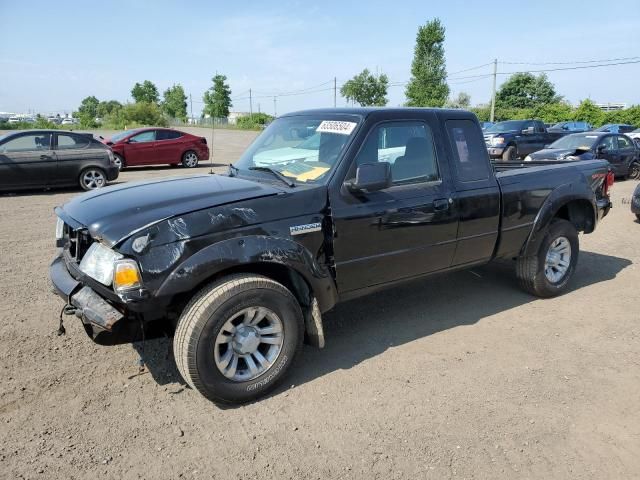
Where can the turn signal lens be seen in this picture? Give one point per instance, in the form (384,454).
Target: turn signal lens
(126,275)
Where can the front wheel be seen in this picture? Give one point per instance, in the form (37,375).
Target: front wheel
(634,171)
(510,154)
(119,161)
(548,271)
(92,178)
(237,338)
(190,159)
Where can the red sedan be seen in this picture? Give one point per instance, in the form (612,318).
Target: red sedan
(153,146)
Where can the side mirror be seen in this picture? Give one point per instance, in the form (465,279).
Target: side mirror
(548,145)
(601,149)
(370,177)
(528,131)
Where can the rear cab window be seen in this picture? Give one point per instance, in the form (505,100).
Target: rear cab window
(470,157)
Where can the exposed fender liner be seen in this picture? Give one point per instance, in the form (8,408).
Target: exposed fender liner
(313,325)
(256,249)
(558,198)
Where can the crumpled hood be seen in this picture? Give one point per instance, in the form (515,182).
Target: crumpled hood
(113,213)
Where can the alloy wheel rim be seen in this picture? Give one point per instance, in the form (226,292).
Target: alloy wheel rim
(191,159)
(93,179)
(558,260)
(634,171)
(118,161)
(248,344)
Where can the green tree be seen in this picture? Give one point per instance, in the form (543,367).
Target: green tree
(175,102)
(87,112)
(463,100)
(108,108)
(366,89)
(217,100)
(145,92)
(428,84)
(553,112)
(132,115)
(587,111)
(525,90)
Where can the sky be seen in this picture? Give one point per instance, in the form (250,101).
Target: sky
(53,54)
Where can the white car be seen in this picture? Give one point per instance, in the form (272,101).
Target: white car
(69,121)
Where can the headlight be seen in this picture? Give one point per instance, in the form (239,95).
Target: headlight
(497,140)
(527,158)
(126,275)
(59,229)
(98,263)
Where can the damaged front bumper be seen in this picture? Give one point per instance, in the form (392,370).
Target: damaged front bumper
(102,321)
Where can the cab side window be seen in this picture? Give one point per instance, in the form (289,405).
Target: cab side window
(407,146)
(167,135)
(26,143)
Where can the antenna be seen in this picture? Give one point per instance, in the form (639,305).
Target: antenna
(213,128)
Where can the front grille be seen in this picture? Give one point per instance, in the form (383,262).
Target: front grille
(78,243)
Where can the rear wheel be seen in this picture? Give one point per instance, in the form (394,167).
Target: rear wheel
(548,271)
(92,178)
(634,171)
(510,154)
(237,338)
(190,159)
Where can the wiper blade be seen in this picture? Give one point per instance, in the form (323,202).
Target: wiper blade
(276,173)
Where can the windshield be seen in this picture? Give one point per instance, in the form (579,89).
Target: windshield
(510,126)
(560,125)
(119,136)
(575,142)
(304,148)
(606,128)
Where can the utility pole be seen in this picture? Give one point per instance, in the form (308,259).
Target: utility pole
(250,105)
(191,104)
(335,91)
(258,108)
(493,91)
(275,114)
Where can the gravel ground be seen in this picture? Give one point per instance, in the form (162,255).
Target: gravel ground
(456,376)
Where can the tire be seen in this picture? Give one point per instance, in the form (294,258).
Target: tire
(92,178)
(119,161)
(638,216)
(634,171)
(542,276)
(190,159)
(510,154)
(207,319)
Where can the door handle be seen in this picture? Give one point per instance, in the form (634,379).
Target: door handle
(441,204)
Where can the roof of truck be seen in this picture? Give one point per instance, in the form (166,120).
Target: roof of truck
(365,111)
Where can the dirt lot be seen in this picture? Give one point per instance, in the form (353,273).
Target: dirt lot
(456,376)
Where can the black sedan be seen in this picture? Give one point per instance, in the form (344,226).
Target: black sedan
(619,150)
(54,158)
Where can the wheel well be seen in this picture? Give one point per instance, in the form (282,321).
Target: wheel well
(282,274)
(579,213)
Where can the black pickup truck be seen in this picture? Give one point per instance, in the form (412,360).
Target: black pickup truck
(325,205)
(515,139)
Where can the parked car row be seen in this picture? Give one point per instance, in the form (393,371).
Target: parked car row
(56,158)
(530,139)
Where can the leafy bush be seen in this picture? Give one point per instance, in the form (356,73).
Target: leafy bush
(135,115)
(255,121)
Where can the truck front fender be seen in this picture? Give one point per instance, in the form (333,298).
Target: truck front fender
(568,200)
(246,251)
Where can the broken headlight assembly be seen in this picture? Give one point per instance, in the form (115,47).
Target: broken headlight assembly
(99,263)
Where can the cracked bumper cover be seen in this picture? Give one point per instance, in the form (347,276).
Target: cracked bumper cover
(91,308)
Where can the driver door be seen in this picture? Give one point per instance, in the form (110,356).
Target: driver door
(402,231)
(140,149)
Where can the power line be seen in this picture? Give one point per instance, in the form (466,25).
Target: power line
(469,69)
(571,68)
(571,63)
